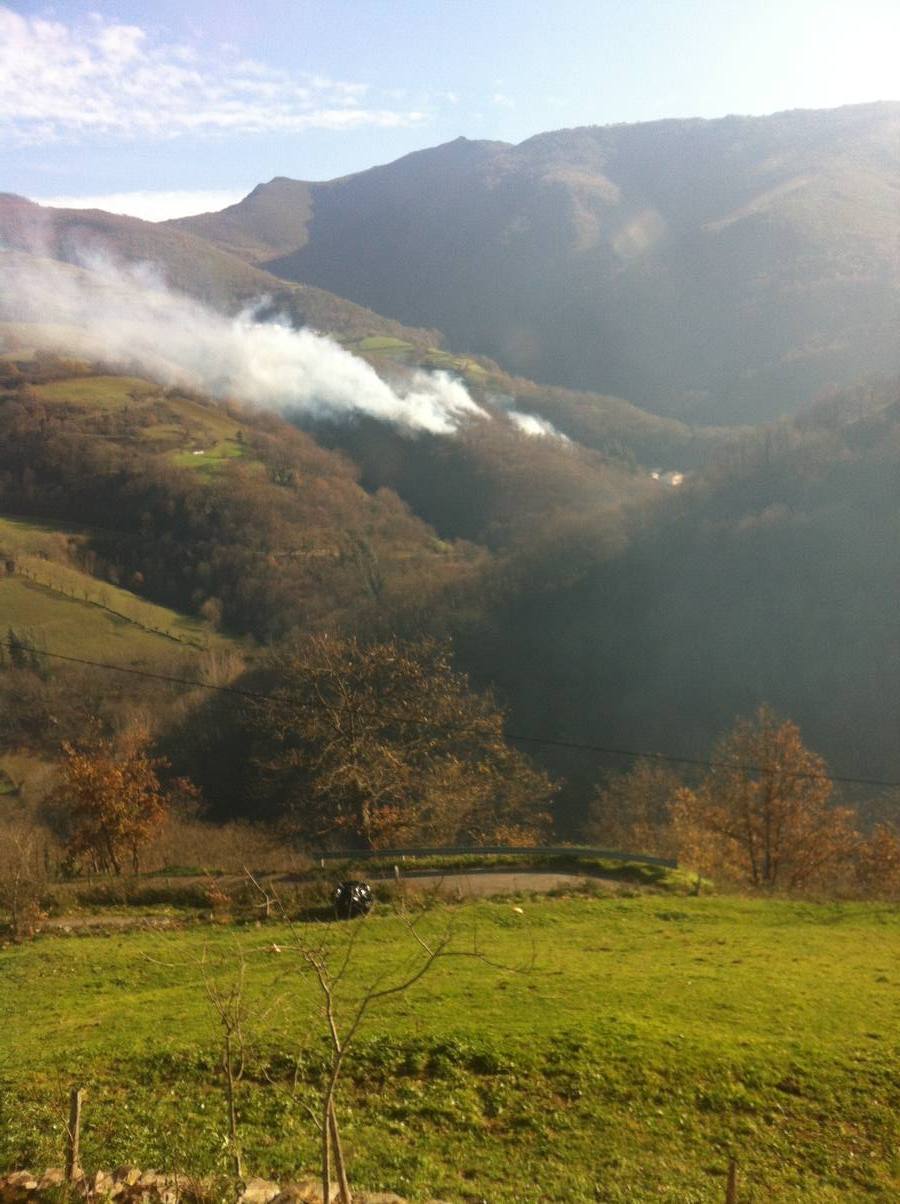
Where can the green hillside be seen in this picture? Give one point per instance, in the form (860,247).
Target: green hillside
(620,1049)
(193,503)
(61,609)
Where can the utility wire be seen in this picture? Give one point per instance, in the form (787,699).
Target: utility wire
(544,741)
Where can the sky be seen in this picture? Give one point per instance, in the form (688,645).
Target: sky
(180,106)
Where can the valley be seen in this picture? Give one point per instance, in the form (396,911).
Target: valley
(514,526)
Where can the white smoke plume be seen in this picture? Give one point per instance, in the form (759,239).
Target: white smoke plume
(129,316)
(533,424)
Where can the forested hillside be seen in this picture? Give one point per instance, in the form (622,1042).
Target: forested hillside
(599,604)
(718,271)
(771,576)
(603,574)
(205,507)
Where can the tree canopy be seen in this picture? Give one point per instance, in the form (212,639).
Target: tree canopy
(379,744)
(764,809)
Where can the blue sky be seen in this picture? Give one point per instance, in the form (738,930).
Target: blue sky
(165,107)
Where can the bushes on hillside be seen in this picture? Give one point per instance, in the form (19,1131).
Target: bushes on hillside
(761,817)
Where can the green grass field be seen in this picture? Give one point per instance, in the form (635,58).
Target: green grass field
(383,342)
(432,358)
(615,1049)
(99,392)
(31,535)
(111,624)
(193,435)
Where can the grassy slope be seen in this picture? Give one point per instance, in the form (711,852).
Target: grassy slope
(112,624)
(194,435)
(651,1038)
(69,611)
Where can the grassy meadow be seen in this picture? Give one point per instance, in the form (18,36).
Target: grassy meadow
(614,1049)
(192,435)
(67,610)
(96,621)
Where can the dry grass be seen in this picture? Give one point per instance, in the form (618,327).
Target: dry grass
(190,847)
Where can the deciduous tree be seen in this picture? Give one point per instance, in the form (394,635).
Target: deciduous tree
(108,804)
(763,813)
(381,744)
(632,811)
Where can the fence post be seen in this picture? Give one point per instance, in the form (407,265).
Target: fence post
(73,1135)
(731,1185)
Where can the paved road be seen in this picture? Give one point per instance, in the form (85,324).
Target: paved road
(496,882)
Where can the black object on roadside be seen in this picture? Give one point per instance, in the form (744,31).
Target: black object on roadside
(352,899)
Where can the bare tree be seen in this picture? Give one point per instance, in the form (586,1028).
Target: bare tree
(229,1003)
(327,952)
(23,874)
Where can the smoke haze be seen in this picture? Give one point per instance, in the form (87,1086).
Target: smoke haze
(533,424)
(128,315)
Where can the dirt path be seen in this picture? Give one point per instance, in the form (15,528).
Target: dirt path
(484,883)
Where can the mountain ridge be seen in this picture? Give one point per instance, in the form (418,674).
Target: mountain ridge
(702,267)
(189,263)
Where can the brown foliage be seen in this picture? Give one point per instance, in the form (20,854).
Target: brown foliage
(631,812)
(231,848)
(108,804)
(385,744)
(24,857)
(763,814)
(877,863)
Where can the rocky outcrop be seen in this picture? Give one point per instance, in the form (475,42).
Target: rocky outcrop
(129,1185)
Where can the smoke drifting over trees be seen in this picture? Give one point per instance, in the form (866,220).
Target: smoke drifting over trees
(128,315)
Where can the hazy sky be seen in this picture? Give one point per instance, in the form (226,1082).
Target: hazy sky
(186,104)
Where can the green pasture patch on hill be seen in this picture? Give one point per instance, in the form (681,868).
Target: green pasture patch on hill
(102,392)
(209,416)
(208,459)
(80,616)
(608,1049)
(438,360)
(383,342)
(198,436)
(35,535)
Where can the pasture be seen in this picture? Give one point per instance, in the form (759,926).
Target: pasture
(607,1048)
(63,610)
(193,435)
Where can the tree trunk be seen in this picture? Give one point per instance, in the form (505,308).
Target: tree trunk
(339,1164)
(236,1161)
(326,1153)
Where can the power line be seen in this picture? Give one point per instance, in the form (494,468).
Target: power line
(544,741)
(698,761)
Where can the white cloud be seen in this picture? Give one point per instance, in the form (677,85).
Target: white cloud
(502,101)
(149,205)
(61,80)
